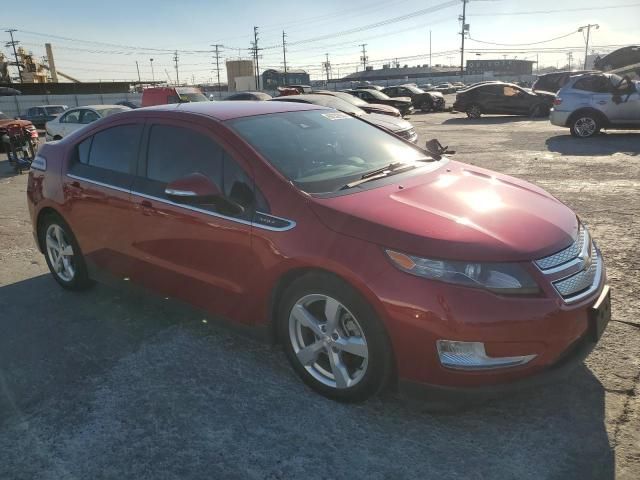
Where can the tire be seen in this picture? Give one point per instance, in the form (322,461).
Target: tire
(538,110)
(327,366)
(426,106)
(474,111)
(62,253)
(585,125)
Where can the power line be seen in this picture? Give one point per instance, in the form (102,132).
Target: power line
(217,46)
(560,10)
(525,44)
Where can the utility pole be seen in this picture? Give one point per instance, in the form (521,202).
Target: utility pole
(153,76)
(364,58)
(586,47)
(430,63)
(175,59)
(138,68)
(327,67)
(13,44)
(257,50)
(463,33)
(284,55)
(569,59)
(217,46)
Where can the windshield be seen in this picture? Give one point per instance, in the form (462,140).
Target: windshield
(324,101)
(105,112)
(351,99)
(322,150)
(413,89)
(190,94)
(379,95)
(55,110)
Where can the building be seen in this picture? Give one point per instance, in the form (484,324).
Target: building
(239,69)
(405,73)
(500,67)
(271,79)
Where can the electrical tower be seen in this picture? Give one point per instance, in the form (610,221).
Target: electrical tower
(284,55)
(463,33)
(364,59)
(255,50)
(13,44)
(217,46)
(175,59)
(586,47)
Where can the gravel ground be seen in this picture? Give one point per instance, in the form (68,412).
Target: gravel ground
(119,384)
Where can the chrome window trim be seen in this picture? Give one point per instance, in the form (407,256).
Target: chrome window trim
(291,223)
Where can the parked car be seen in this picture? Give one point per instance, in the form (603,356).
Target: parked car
(129,103)
(367,107)
(375,96)
(167,95)
(249,96)
(373,263)
(445,88)
(619,58)
(421,100)
(8,91)
(76,118)
(552,82)
(6,120)
(458,86)
(398,126)
(503,99)
(427,87)
(593,101)
(301,88)
(42,114)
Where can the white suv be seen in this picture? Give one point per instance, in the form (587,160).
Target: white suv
(590,102)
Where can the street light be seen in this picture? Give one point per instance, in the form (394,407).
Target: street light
(153,77)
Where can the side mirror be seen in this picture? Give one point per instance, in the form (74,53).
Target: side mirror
(436,150)
(198,189)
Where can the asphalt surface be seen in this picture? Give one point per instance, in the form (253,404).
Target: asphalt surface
(112,383)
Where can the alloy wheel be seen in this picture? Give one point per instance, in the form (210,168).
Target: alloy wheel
(474,111)
(328,341)
(585,126)
(60,253)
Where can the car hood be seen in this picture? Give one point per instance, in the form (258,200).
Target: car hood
(456,212)
(401,99)
(394,124)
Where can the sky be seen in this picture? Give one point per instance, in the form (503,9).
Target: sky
(103,40)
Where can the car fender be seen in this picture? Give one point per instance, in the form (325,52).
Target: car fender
(594,111)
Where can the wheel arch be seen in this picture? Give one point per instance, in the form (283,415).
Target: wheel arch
(42,214)
(588,110)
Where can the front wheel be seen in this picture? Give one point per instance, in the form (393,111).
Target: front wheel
(62,253)
(585,126)
(333,339)
(474,111)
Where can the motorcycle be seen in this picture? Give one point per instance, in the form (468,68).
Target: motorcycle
(21,145)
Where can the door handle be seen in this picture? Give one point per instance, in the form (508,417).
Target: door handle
(147,207)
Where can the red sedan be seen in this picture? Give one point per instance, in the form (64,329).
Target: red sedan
(371,261)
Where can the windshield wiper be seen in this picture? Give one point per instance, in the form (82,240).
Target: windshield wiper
(392,168)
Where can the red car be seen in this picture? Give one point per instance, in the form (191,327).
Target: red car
(373,262)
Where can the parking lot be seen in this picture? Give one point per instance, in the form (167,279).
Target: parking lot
(111,383)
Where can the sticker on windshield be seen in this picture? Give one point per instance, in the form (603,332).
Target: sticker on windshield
(335,115)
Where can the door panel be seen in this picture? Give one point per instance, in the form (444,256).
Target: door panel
(97,195)
(198,253)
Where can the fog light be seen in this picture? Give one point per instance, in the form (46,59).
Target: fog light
(472,356)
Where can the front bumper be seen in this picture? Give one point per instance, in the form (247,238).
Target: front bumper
(559,118)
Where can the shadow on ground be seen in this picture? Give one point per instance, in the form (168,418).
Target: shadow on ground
(113,384)
(601,145)
(492,120)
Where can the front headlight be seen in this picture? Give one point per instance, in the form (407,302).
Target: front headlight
(503,278)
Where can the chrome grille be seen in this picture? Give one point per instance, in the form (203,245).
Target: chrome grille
(566,255)
(581,281)
(582,254)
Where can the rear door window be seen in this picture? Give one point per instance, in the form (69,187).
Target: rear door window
(110,156)
(594,84)
(71,117)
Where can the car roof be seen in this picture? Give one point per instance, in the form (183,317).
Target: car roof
(231,110)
